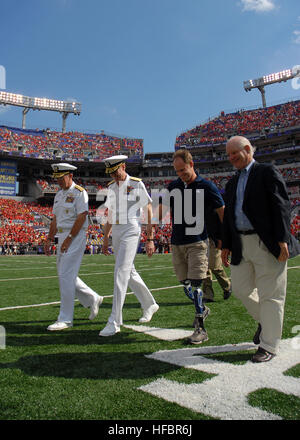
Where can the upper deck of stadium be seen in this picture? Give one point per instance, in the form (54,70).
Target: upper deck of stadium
(255,123)
(73,145)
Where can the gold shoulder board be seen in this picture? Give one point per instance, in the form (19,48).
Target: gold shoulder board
(109,183)
(79,188)
(135,178)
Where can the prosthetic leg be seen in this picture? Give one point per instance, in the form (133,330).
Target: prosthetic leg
(194,293)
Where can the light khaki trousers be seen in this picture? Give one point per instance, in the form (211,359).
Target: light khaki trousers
(215,267)
(259,281)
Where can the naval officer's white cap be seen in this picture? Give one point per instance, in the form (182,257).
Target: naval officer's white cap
(61,169)
(112,163)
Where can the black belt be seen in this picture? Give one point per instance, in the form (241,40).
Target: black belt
(249,232)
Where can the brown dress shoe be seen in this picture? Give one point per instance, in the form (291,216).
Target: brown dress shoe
(262,355)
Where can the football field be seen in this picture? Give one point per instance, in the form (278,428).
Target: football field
(145,372)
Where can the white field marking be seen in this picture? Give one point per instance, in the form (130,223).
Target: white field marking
(24,258)
(80,274)
(52,267)
(58,302)
(165,288)
(165,334)
(97,273)
(49,277)
(31,268)
(31,305)
(225,396)
(101,273)
(29,263)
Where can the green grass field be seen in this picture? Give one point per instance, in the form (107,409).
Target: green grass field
(77,375)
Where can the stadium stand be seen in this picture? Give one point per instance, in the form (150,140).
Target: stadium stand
(48,185)
(24,224)
(258,121)
(75,146)
(275,131)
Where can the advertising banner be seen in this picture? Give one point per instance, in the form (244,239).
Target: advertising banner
(8,178)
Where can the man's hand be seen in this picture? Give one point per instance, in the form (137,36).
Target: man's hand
(47,247)
(225,257)
(104,249)
(66,244)
(150,248)
(219,245)
(284,252)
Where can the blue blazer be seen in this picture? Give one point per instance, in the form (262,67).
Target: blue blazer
(267,206)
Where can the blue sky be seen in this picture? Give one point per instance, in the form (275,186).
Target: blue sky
(145,68)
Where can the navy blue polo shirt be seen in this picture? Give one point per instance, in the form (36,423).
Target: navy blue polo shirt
(212,200)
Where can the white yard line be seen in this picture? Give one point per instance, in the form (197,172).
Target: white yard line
(80,274)
(53,266)
(89,274)
(26,268)
(58,302)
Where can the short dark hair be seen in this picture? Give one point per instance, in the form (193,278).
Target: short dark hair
(184,154)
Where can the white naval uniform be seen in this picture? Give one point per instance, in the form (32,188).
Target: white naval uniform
(125,202)
(68,204)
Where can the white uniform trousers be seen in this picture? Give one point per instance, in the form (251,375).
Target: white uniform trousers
(70,284)
(259,281)
(125,240)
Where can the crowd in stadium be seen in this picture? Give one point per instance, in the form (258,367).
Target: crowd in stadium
(24,226)
(49,144)
(81,146)
(23,229)
(92,186)
(243,122)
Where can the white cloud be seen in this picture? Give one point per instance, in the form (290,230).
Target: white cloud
(258,5)
(297,37)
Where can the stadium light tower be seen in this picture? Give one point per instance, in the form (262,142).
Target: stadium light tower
(28,103)
(273,78)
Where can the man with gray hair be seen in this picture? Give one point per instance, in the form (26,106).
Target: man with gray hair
(256,232)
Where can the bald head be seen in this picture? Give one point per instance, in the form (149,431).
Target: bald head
(239,142)
(240,151)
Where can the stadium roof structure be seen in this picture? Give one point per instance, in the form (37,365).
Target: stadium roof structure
(34,103)
(260,83)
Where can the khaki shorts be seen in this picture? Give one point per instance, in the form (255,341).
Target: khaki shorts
(190,261)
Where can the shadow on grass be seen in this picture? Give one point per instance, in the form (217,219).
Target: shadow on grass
(33,333)
(117,365)
(232,358)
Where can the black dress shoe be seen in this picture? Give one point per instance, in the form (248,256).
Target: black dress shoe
(262,355)
(227,293)
(256,337)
